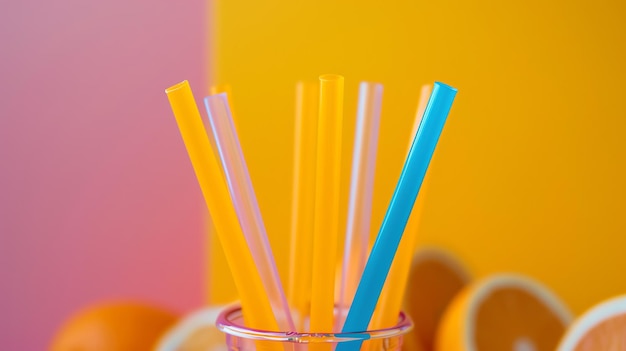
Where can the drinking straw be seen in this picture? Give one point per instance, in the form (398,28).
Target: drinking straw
(254,298)
(361,191)
(326,220)
(303,200)
(390,301)
(398,212)
(221,88)
(421,107)
(226,88)
(226,294)
(246,205)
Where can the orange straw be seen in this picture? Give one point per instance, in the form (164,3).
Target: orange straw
(326,225)
(301,256)
(221,88)
(254,299)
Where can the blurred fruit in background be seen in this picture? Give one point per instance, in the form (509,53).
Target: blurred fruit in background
(603,327)
(116,326)
(434,279)
(195,332)
(503,312)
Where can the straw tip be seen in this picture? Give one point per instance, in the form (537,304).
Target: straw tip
(330,77)
(305,84)
(177,86)
(444,85)
(373,85)
(214,96)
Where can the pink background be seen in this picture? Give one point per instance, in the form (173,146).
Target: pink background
(98,200)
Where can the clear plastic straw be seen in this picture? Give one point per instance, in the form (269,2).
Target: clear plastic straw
(242,193)
(228,90)
(361,191)
(227,293)
(392,228)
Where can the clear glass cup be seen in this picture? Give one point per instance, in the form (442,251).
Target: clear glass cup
(240,338)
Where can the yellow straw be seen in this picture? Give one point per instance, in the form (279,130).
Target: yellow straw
(254,300)
(326,225)
(390,301)
(299,290)
(221,88)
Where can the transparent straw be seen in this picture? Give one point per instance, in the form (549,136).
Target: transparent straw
(392,228)
(303,201)
(228,90)
(327,186)
(254,298)
(361,191)
(393,291)
(242,193)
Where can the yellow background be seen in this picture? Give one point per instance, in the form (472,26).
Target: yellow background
(529,173)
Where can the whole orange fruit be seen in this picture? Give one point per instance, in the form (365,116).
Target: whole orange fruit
(121,326)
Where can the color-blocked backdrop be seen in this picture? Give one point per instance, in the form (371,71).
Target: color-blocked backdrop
(98,200)
(528,175)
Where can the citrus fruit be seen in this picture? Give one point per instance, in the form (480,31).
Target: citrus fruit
(503,312)
(434,279)
(601,328)
(195,332)
(123,326)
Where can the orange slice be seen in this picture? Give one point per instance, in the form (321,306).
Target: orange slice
(503,312)
(434,279)
(601,328)
(195,332)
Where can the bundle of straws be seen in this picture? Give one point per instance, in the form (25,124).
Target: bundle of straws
(371,290)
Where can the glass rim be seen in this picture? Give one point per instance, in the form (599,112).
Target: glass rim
(225,323)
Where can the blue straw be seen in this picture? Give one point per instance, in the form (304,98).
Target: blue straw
(388,239)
